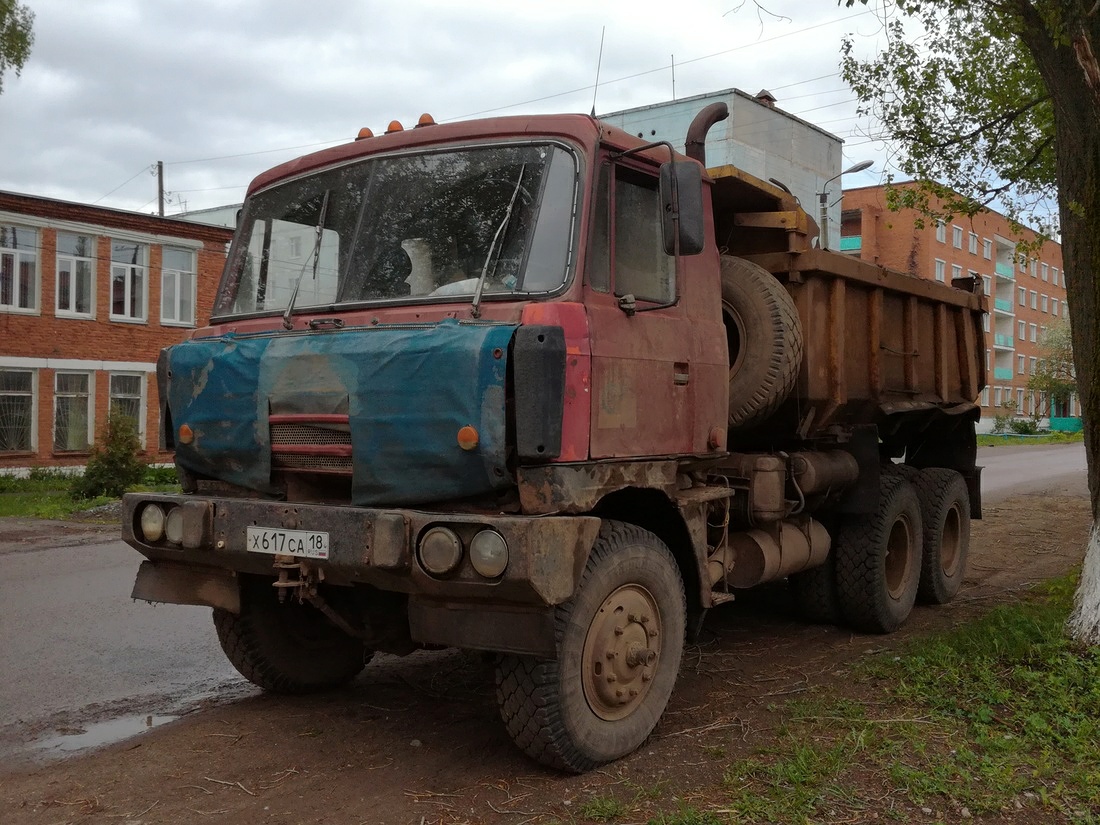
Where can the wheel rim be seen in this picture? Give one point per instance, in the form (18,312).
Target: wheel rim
(621,652)
(950,542)
(898,555)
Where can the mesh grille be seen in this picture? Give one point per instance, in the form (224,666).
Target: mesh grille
(328,463)
(310,434)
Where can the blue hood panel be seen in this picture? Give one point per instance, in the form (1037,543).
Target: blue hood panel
(406,390)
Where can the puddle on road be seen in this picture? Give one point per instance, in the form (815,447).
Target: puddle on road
(101,733)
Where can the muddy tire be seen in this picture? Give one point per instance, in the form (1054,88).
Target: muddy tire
(286,648)
(815,593)
(619,640)
(945,512)
(878,559)
(764,336)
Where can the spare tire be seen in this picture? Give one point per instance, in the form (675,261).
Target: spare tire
(764,336)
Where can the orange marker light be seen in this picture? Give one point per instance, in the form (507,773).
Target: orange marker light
(395,126)
(187,435)
(425,120)
(468,438)
(365,132)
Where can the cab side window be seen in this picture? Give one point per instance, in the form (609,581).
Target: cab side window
(626,251)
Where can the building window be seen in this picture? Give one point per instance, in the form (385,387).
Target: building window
(128,281)
(76,274)
(973,244)
(177,286)
(1020,400)
(996,396)
(18,268)
(72,411)
(1020,364)
(987,359)
(1031,365)
(1045,270)
(1054,275)
(985,396)
(1065,309)
(1034,299)
(941,266)
(985,322)
(1034,333)
(128,398)
(1021,261)
(1054,307)
(1022,330)
(1043,298)
(987,283)
(1023,296)
(1034,267)
(987,249)
(941,232)
(957,237)
(17,411)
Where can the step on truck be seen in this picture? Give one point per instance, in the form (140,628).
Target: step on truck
(535,387)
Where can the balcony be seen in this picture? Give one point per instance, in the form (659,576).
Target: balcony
(851,243)
(1002,341)
(1004,305)
(1005,271)
(1002,373)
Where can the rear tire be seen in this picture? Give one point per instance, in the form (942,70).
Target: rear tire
(945,511)
(619,641)
(878,559)
(286,648)
(764,335)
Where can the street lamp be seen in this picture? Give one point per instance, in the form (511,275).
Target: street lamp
(823,199)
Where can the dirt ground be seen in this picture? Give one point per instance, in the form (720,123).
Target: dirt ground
(418,740)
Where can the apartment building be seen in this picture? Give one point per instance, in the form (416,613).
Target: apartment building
(88,298)
(1026,292)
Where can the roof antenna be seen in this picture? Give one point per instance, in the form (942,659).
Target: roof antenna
(599,62)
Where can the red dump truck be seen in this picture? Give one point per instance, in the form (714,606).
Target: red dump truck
(535,387)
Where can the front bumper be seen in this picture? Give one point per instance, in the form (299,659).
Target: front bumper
(546,555)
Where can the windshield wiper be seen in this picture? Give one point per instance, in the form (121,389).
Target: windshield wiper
(476,311)
(315,255)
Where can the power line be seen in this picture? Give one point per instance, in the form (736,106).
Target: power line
(139,172)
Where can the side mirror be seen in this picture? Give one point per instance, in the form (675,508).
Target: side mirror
(681,185)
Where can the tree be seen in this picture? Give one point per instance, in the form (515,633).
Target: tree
(16,37)
(1054,377)
(1000,100)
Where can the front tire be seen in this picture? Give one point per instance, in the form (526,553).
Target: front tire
(286,648)
(878,559)
(619,640)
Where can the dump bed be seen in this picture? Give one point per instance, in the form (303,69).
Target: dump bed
(877,341)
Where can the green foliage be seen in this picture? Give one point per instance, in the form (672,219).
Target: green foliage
(1045,438)
(16,37)
(114,464)
(603,809)
(1023,426)
(1054,374)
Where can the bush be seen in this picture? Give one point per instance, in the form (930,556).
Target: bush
(160,476)
(114,464)
(1023,426)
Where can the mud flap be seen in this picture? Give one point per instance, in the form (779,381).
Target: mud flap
(170,583)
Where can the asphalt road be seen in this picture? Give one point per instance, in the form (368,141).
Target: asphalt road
(83,664)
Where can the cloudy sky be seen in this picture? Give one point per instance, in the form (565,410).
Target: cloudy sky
(222,89)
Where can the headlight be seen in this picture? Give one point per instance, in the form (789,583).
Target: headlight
(489,553)
(173,525)
(152,522)
(440,551)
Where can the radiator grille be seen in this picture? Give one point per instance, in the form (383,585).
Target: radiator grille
(306,437)
(308,434)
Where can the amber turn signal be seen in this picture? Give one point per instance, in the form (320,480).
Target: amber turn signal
(365,132)
(187,435)
(468,438)
(395,126)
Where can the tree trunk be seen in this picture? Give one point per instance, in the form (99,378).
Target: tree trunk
(1069,70)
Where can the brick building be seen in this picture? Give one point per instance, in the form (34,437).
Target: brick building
(1026,292)
(88,297)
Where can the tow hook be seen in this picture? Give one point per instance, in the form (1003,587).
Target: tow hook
(305,585)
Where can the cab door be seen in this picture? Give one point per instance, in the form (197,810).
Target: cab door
(643,387)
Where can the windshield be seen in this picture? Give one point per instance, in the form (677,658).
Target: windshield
(426,226)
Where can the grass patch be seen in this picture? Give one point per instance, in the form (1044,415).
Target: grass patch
(47,493)
(1016,440)
(1002,714)
(603,809)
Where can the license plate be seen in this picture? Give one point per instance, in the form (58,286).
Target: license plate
(312,545)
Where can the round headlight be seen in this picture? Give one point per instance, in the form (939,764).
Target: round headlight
(489,553)
(440,551)
(152,522)
(173,525)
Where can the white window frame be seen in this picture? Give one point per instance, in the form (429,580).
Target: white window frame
(987,284)
(1034,330)
(941,232)
(987,249)
(1022,330)
(89,436)
(177,276)
(985,321)
(1054,275)
(130,273)
(1034,299)
(1043,303)
(985,396)
(1031,364)
(1044,270)
(957,237)
(33,446)
(1020,400)
(941,270)
(11,256)
(73,260)
(973,243)
(1023,295)
(1034,267)
(997,394)
(1020,364)
(141,404)
(1054,307)
(988,359)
